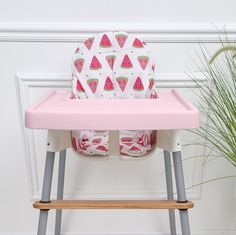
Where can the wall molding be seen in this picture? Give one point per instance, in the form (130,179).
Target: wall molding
(26,81)
(150,32)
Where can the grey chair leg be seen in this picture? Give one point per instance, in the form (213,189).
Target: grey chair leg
(60,189)
(169,187)
(47,184)
(179,177)
(42,225)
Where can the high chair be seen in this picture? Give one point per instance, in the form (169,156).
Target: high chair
(114,110)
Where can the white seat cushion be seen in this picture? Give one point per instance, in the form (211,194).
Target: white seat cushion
(113,66)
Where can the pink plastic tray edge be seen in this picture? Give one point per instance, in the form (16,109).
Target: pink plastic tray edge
(31,116)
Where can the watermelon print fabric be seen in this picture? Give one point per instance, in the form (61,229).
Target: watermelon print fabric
(113,66)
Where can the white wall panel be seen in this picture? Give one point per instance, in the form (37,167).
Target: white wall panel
(118,11)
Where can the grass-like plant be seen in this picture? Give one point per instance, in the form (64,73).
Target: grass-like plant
(218,102)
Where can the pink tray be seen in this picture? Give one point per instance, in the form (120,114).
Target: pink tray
(57,110)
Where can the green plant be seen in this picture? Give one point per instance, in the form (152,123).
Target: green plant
(218,102)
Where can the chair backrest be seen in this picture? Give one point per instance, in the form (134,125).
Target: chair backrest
(113,65)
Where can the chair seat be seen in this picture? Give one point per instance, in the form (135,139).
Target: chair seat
(96,142)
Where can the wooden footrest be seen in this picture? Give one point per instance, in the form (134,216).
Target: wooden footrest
(112,204)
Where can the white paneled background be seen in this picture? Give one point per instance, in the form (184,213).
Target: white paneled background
(37,41)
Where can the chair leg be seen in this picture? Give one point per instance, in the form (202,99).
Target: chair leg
(170,194)
(47,183)
(42,225)
(179,177)
(60,189)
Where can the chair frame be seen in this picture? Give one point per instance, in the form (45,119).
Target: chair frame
(59,141)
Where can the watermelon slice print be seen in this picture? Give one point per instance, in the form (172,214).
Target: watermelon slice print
(79,87)
(79,63)
(153,67)
(138,85)
(97,141)
(126,63)
(95,64)
(153,138)
(99,131)
(102,148)
(73,141)
(154,95)
(126,139)
(93,83)
(88,43)
(122,81)
(110,60)
(77,50)
(127,143)
(108,84)
(137,43)
(121,39)
(151,83)
(84,147)
(134,148)
(105,41)
(143,60)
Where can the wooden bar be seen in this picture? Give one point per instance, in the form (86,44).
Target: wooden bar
(113,204)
